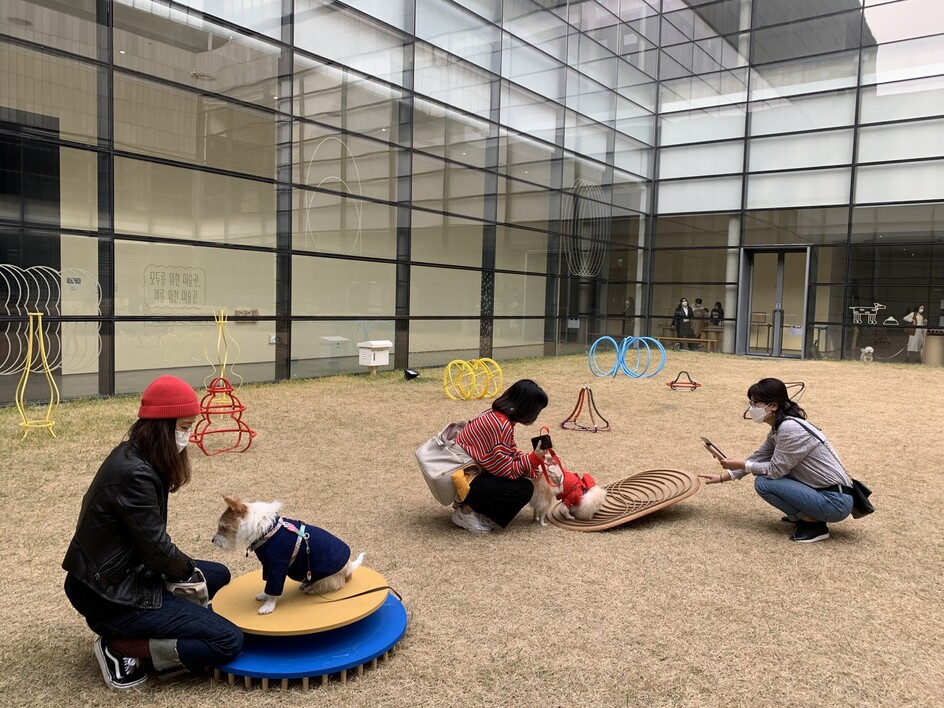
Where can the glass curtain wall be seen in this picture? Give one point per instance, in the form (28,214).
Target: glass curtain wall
(460,179)
(496,178)
(809,133)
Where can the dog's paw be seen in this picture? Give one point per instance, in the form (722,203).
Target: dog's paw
(261,597)
(267,607)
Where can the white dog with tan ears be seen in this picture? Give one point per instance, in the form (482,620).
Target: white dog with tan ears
(286,548)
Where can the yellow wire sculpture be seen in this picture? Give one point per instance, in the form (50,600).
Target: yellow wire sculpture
(478,378)
(223,338)
(36,327)
(221,411)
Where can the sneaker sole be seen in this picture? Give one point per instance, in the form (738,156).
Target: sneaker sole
(821,537)
(106,674)
(460,522)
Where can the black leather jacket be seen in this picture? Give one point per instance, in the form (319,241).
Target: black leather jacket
(121,548)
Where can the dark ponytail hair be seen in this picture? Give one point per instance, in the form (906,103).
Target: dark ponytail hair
(155,441)
(522,402)
(775,391)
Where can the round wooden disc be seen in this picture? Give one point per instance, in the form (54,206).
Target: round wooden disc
(632,497)
(296,612)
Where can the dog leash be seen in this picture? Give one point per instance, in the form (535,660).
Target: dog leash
(364,592)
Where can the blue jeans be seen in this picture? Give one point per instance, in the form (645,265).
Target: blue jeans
(798,500)
(180,631)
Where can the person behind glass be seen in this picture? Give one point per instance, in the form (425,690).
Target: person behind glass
(716,315)
(121,554)
(682,321)
(504,486)
(796,469)
(917,319)
(699,318)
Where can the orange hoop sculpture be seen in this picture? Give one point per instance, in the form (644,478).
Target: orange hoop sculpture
(572,422)
(677,384)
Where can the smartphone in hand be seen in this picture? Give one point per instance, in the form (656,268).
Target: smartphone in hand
(713,449)
(542,441)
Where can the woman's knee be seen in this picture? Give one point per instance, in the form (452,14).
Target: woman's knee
(232,643)
(227,643)
(763,486)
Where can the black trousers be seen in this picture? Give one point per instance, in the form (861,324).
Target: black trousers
(499,498)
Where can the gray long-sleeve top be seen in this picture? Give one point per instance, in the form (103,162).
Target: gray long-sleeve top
(793,449)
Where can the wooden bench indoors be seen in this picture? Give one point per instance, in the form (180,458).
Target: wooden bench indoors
(708,344)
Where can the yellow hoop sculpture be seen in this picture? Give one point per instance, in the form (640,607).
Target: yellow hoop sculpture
(36,326)
(478,378)
(493,379)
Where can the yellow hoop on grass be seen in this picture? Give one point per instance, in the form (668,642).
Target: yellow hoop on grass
(478,378)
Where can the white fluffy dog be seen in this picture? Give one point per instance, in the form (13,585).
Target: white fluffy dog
(287,548)
(579,495)
(545,493)
(866,354)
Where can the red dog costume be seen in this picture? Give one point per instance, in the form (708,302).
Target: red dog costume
(574,487)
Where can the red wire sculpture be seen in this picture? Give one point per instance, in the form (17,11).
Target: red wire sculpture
(227,405)
(678,385)
(571,422)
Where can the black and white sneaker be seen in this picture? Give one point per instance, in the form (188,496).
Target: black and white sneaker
(810,531)
(119,672)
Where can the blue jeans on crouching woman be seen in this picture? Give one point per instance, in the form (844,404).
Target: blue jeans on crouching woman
(180,632)
(798,500)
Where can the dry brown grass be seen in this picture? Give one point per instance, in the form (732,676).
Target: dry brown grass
(706,603)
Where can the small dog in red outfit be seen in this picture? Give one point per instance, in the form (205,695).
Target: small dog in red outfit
(581,496)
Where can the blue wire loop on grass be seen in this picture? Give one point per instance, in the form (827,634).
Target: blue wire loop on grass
(641,368)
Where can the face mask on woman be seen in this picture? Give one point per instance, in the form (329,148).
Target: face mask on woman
(183,439)
(758,413)
(684,303)
(920,310)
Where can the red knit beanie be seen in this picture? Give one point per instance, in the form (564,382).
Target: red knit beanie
(168,397)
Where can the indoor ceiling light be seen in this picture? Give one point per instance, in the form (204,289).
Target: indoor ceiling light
(201,77)
(19,22)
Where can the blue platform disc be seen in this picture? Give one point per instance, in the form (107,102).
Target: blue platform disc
(308,655)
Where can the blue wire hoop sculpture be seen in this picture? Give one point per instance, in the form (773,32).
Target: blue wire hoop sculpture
(640,346)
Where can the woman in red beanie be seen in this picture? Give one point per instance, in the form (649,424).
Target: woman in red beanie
(121,556)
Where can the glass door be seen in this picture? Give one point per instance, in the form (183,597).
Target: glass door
(776,325)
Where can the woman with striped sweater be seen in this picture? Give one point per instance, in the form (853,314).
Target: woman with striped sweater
(504,486)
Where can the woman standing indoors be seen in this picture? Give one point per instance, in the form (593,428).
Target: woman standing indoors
(795,470)
(916,333)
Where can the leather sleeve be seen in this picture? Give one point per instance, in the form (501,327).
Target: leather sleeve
(139,505)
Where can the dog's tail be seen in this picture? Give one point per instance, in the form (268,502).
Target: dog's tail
(591,503)
(356,563)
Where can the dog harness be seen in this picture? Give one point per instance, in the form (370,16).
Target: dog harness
(301,536)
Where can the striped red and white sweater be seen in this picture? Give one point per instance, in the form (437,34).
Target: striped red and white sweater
(490,440)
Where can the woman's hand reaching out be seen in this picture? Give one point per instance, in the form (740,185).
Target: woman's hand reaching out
(728,463)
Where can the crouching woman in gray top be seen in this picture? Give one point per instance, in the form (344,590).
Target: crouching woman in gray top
(796,469)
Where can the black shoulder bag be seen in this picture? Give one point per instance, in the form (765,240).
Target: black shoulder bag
(861,506)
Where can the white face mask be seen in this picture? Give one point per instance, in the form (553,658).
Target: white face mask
(920,310)
(684,304)
(758,413)
(183,439)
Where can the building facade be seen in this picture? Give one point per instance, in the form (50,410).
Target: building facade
(463,178)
